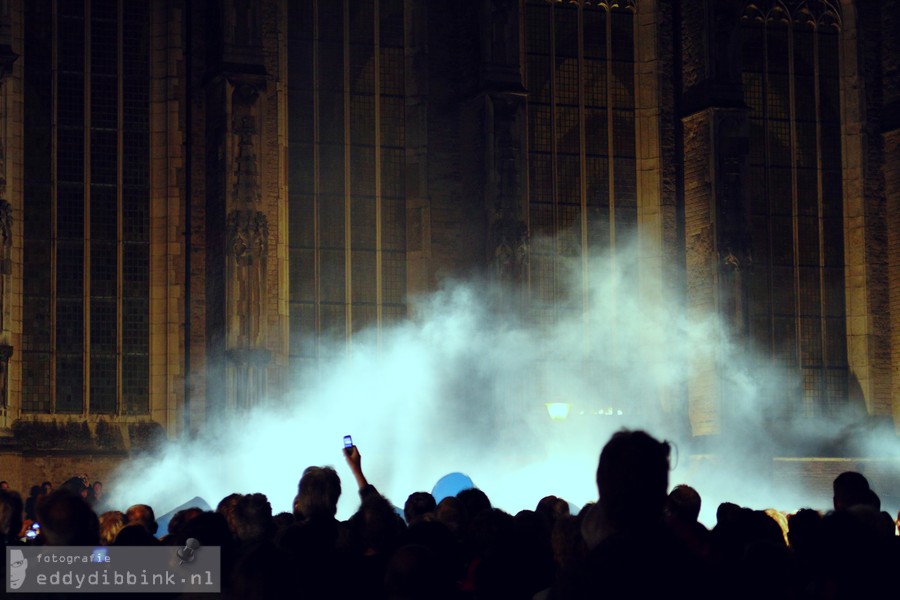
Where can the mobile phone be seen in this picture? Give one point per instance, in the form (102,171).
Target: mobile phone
(34,531)
(348,442)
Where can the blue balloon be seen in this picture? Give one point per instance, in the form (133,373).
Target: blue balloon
(450,485)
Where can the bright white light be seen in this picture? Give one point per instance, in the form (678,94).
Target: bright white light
(557,410)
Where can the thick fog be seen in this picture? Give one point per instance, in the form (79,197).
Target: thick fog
(463,387)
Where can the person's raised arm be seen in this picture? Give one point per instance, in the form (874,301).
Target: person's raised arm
(354,461)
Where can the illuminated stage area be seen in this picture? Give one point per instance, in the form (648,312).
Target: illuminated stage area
(463,389)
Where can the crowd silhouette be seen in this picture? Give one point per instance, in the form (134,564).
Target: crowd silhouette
(638,540)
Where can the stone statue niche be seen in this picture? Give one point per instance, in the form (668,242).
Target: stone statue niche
(247,231)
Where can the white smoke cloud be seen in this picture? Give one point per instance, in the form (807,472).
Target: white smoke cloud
(463,387)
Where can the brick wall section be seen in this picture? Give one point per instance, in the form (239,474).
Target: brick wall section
(166,216)
(700,263)
(272,157)
(197,300)
(23,470)
(890,60)
(876,231)
(817,474)
(858,284)
(890,57)
(12,95)
(694,43)
(892,193)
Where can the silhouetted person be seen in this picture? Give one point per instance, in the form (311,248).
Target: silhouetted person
(175,529)
(415,573)
(31,502)
(262,570)
(635,555)
(550,508)
(143,515)
(419,506)
(850,488)
(681,513)
(67,520)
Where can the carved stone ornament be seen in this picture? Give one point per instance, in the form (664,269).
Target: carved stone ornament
(248,236)
(5,226)
(511,252)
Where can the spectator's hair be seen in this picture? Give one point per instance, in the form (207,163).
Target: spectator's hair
(452,514)
(684,503)
(253,518)
(111,523)
(551,508)
(10,515)
(805,531)
(566,541)
(317,493)
(283,519)
(225,507)
(418,504)
(632,477)
(378,525)
(726,511)
(176,523)
(67,520)
(475,501)
(143,515)
(850,489)
(870,498)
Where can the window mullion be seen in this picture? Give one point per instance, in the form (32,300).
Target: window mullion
(86,274)
(120,250)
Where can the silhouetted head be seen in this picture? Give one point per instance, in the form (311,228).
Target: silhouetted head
(418,505)
(10,514)
(552,508)
(850,489)
(67,520)
(143,515)
(111,523)
(632,478)
(475,501)
(253,518)
(317,493)
(451,512)
(683,503)
(179,519)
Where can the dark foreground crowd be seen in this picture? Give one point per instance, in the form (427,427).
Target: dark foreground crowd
(636,541)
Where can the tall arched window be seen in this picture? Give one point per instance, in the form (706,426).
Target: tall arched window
(791,84)
(347,227)
(85,339)
(581,141)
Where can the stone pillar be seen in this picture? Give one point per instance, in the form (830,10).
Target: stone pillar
(505,200)
(239,132)
(865,231)
(660,246)
(7,58)
(892,193)
(716,219)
